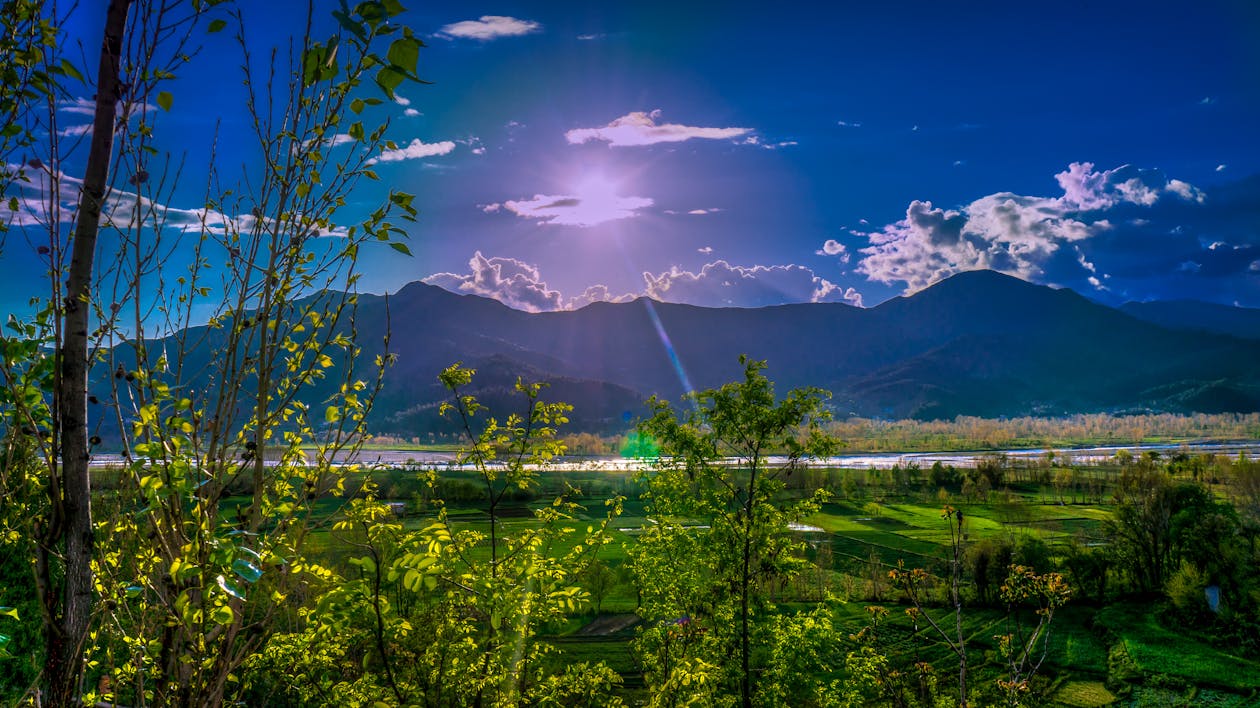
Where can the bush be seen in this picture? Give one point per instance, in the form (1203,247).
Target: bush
(1185,589)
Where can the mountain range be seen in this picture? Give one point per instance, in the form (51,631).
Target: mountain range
(979,343)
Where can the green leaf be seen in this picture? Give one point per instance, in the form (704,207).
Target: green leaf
(400,247)
(222,615)
(332,414)
(311,63)
(350,24)
(9,612)
(404,53)
(356,106)
(356,131)
(389,79)
(164,100)
(216,26)
(70,69)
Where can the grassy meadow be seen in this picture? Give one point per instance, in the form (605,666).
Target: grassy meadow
(1121,652)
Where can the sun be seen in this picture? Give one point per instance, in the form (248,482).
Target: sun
(591,200)
(597,191)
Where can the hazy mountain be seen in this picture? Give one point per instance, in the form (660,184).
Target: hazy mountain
(1205,316)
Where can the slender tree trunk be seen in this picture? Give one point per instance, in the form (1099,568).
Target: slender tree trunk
(68,633)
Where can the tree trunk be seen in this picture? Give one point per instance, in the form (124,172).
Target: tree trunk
(67,637)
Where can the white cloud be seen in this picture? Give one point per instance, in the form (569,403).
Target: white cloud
(124,210)
(1012,233)
(79,106)
(490,208)
(87,107)
(514,283)
(517,284)
(1185,190)
(832,247)
(489,27)
(706,250)
(411,113)
(1221,167)
(75,131)
(719,284)
(641,128)
(847,124)
(756,140)
(590,37)
(568,210)
(596,293)
(520,285)
(416,149)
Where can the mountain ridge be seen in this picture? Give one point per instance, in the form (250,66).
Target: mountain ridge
(978,343)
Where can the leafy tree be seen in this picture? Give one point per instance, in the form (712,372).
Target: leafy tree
(1026,643)
(448,614)
(163,594)
(720,531)
(598,580)
(874,677)
(916,583)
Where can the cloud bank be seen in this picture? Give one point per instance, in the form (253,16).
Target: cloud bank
(720,284)
(520,285)
(1032,237)
(517,284)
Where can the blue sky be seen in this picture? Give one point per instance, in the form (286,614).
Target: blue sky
(748,154)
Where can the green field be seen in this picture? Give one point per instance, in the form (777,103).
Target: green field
(1123,654)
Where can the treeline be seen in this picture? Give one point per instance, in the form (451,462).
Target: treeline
(966,433)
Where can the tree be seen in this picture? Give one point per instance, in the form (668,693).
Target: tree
(448,614)
(598,580)
(179,593)
(721,527)
(915,583)
(1026,643)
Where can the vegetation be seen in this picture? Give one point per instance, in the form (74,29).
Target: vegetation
(968,433)
(228,560)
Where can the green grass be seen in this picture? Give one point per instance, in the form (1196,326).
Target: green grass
(1084,694)
(1157,649)
(1165,666)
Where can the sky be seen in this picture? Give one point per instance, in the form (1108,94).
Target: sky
(745,154)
